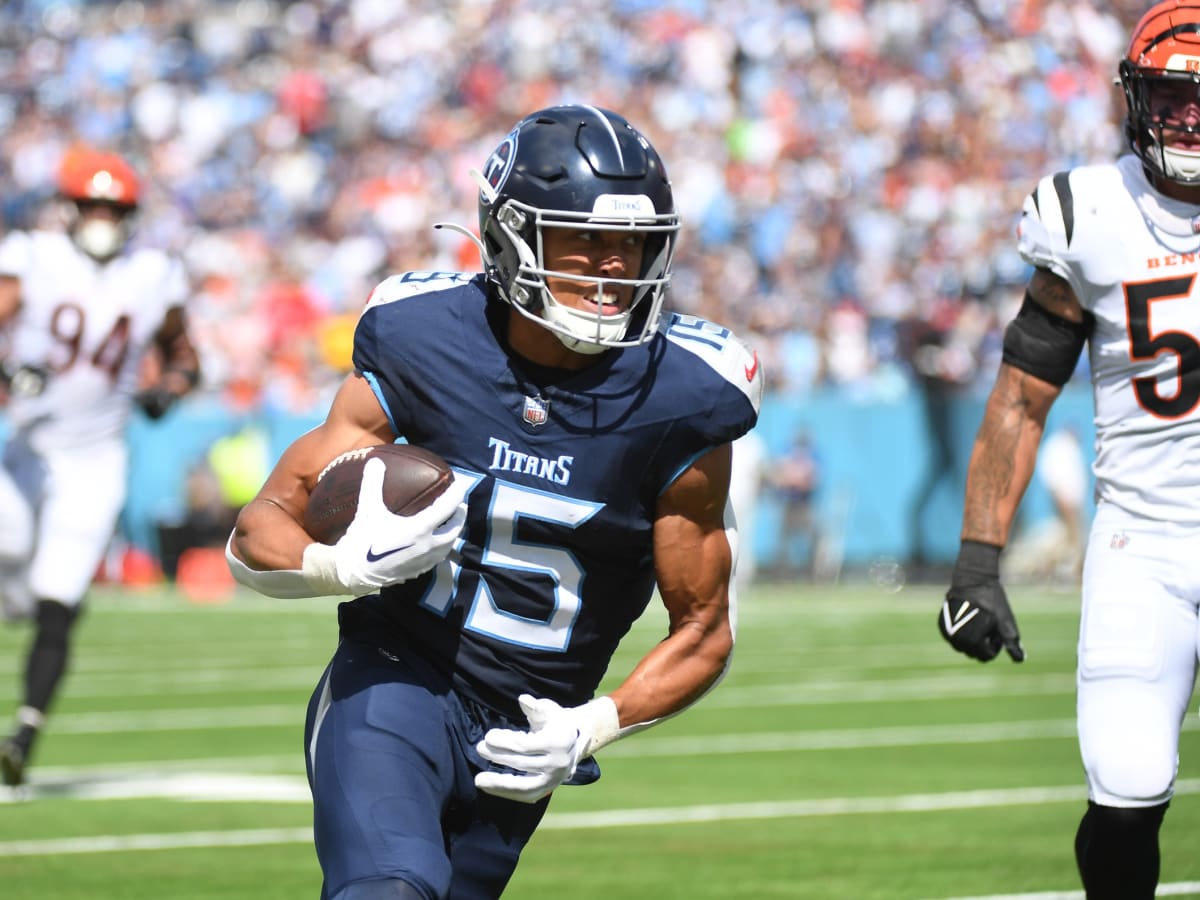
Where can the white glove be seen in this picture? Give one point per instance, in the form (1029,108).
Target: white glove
(381,548)
(549,752)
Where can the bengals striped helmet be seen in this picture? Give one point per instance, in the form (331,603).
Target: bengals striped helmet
(1160,75)
(103,190)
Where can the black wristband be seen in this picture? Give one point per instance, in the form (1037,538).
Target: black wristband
(979,559)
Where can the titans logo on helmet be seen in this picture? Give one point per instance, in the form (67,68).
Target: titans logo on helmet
(500,163)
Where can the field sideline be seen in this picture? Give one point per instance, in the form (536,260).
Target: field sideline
(849,754)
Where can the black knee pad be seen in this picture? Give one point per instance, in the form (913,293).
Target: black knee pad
(380,889)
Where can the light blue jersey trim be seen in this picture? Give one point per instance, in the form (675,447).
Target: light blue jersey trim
(378,391)
(683,468)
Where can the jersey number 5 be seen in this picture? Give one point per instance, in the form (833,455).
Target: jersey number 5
(1143,344)
(507,555)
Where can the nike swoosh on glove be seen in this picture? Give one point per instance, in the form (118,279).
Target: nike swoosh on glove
(381,548)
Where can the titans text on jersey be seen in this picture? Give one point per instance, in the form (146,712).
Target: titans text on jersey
(506,459)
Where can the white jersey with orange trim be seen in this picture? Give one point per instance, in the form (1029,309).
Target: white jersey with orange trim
(89,326)
(1132,257)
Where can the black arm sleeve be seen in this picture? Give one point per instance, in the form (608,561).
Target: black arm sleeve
(1043,344)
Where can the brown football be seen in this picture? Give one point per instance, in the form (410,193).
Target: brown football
(413,479)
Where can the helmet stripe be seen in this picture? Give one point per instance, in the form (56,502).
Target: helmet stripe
(1186,28)
(608,127)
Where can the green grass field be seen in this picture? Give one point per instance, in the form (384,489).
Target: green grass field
(849,754)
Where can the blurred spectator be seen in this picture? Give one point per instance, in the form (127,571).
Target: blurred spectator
(794,479)
(217,486)
(836,165)
(941,351)
(240,463)
(206,522)
(1051,550)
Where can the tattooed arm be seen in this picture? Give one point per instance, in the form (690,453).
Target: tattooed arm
(1041,347)
(1005,450)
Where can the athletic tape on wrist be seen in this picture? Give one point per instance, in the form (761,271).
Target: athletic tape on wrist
(285,584)
(601,715)
(319,567)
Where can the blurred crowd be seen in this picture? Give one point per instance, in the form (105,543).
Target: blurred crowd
(849,172)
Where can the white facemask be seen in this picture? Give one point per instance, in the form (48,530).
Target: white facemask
(100,238)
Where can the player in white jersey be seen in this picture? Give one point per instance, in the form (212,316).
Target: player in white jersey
(80,312)
(1116,251)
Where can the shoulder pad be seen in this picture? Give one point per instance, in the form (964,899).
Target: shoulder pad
(721,349)
(410,284)
(1047,224)
(1048,216)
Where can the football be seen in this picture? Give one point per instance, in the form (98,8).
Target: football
(413,478)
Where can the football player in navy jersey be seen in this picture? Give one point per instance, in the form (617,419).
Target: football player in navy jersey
(590,435)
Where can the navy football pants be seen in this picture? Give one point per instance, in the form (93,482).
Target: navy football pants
(391,762)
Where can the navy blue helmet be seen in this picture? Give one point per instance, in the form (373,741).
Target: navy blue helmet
(577,167)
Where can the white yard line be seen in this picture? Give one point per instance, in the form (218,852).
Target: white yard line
(250,788)
(683,745)
(112,843)
(187,681)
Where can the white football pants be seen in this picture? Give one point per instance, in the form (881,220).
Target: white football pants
(16,547)
(1138,640)
(59,512)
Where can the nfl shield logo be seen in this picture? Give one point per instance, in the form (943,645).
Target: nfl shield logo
(536,410)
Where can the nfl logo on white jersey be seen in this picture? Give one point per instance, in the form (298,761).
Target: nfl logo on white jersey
(536,410)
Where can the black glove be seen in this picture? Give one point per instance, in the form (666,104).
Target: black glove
(976,618)
(24,381)
(155,401)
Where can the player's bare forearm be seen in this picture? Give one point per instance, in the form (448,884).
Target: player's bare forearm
(1004,454)
(693,562)
(679,669)
(267,537)
(268,534)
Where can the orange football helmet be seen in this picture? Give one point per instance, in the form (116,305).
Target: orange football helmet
(92,175)
(103,191)
(1160,75)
